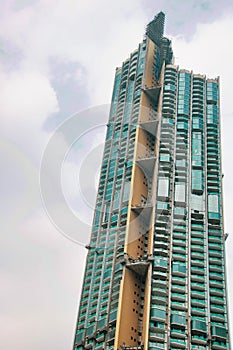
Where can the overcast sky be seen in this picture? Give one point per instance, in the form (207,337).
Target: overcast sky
(58,58)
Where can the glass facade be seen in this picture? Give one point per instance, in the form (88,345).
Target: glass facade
(155,270)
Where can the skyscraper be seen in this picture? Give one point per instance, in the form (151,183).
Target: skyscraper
(155,269)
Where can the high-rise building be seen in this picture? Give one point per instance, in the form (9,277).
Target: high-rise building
(155,269)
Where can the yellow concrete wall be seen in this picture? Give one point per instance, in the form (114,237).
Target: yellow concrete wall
(130,306)
(140,186)
(146,109)
(146,314)
(131,285)
(144,144)
(136,236)
(149,81)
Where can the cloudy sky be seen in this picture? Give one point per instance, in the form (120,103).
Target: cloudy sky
(57,59)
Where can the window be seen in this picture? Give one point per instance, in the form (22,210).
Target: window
(164,157)
(181,162)
(116,200)
(197,180)
(106,212)
(162,205)
(180,194)
(179,211)
(163,187)
(197,202)
(158,313)
(213,203)
(97,215)
(179,268)
(126,191)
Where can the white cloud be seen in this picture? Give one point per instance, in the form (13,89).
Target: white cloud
(27,99)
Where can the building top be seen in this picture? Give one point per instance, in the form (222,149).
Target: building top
(155,28)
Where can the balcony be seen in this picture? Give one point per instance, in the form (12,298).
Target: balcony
(161,237)
(179,257)
(219,346)
(198,270)
(198,295)
(217,300)
(178,249)
(216,261)
(89,346)
(156,335)
(217,284)
(178,343)
(216,292)
(111,337)
(176,288)
(218,317)
(219,332)
(197,255)
(200,340)
(198,311)
(217,308)
(79,339)
(139,266)
(178,320)
(100,338)
(159,275)
(198,302)
(198,263)
(178,280)
(161,252)
(199,327)
(217,276)
(197,286)
(160,284)
(178,333)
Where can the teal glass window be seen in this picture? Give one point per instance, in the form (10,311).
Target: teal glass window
(182,125)
(179,211)
(169,87)
(197,180)
(162,205)
(164,157)
(179,268)
(178,319)
(181,163)
(106,212)
(98,212)
(109,131)
(158,313)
